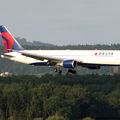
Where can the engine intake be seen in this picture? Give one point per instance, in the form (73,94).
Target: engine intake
(69,64)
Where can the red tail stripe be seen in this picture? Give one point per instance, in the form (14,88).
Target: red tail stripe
(9,38)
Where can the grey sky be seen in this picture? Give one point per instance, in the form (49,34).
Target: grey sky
(63,21)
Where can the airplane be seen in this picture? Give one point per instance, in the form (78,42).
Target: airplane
(69,59)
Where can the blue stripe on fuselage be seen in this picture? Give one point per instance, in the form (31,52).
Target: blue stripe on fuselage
(39,63)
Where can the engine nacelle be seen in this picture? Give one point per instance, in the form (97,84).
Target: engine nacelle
(69,64)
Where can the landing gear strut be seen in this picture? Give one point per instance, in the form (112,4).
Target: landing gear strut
(58,70)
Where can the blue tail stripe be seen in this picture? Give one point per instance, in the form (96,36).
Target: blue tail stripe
(2,29)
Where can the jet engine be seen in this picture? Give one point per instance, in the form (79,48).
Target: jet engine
(69,64)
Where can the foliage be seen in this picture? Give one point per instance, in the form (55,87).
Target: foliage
(71,97)
(55,117)
(87,118)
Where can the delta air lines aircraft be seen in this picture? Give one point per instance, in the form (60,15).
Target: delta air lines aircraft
(69,59)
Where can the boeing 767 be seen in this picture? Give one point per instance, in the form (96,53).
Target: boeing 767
(69,59)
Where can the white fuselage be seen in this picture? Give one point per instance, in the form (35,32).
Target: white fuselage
(100,57)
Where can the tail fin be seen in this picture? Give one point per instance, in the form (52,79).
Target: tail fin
(9,41)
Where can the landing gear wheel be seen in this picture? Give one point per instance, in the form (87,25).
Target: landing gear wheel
(55,70)
(58,70)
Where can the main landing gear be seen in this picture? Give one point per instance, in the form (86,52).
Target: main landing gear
(58,70)
(70,71)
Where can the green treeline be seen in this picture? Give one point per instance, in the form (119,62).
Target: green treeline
(60,97)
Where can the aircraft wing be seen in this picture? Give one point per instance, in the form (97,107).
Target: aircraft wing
(50,59)
(58,60)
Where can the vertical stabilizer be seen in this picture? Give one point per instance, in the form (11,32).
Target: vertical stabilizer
(10,44)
